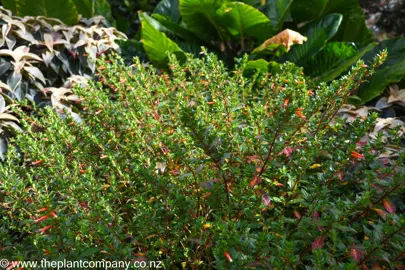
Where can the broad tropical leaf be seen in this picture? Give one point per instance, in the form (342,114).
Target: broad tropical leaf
(64,10)
(318,34)
(243,20)
(175,29)
(391,71)
(156,44)
(201,17)
(353,27)
(276,11)
(169,8)
(340,66)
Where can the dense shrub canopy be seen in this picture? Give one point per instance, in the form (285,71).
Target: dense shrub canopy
(204,167)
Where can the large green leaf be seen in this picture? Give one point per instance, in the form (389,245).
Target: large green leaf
(64,10)
(353,27)
(245,21)
(201,17)
(343,64)
(169,8)
(318,34)
(156,44)
(392,71)
(175,29)
(276,11)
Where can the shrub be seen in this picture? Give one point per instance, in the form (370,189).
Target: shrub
(205,168)
(39,55)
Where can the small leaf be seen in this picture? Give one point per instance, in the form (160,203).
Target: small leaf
(255,181)
(381,213)
(318,243)
(356,254)
(389,206)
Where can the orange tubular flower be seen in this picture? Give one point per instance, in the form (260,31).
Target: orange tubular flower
(299,113)
(357,155)
(44,229)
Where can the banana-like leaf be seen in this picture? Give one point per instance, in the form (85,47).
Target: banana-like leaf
(64,10)
(391,71)
(169,9)
(201,18)
(243,20)
(175,29)
(156,44)
(318,34)
(341,65)
(277,11)
(353,27)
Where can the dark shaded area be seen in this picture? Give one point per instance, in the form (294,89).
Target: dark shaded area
(386,18)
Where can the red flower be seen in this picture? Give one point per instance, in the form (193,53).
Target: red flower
(41,218)
(228,256)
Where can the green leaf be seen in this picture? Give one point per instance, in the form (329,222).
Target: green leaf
(276,11)
(328,58)
(176,29)
(353,27)
(245,21)
(253,66)
(200,17)
(391,71)
(169,8)
(64,10)
(91,8)
(343,65)
(318,33)
(156,44)
(89,252)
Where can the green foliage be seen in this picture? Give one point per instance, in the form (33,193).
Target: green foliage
(392,71)
(65,10)
(231,28)
(38,55)
(205,168)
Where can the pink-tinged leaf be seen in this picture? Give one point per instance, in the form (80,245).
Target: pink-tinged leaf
(52,213)
(389,206)
(381,213)
(297,215)
(340,175)
(286,151)
(356,254)
(41,219)
(279,185)
(42,209)
(228,256)
(255,181)
(254,159)
(266,200)
(318,243)
(286,103)
(361,143)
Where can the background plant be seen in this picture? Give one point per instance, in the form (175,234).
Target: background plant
(203,167)
(38,55)
(336,32)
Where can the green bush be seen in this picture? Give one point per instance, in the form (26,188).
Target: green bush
(205,168)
